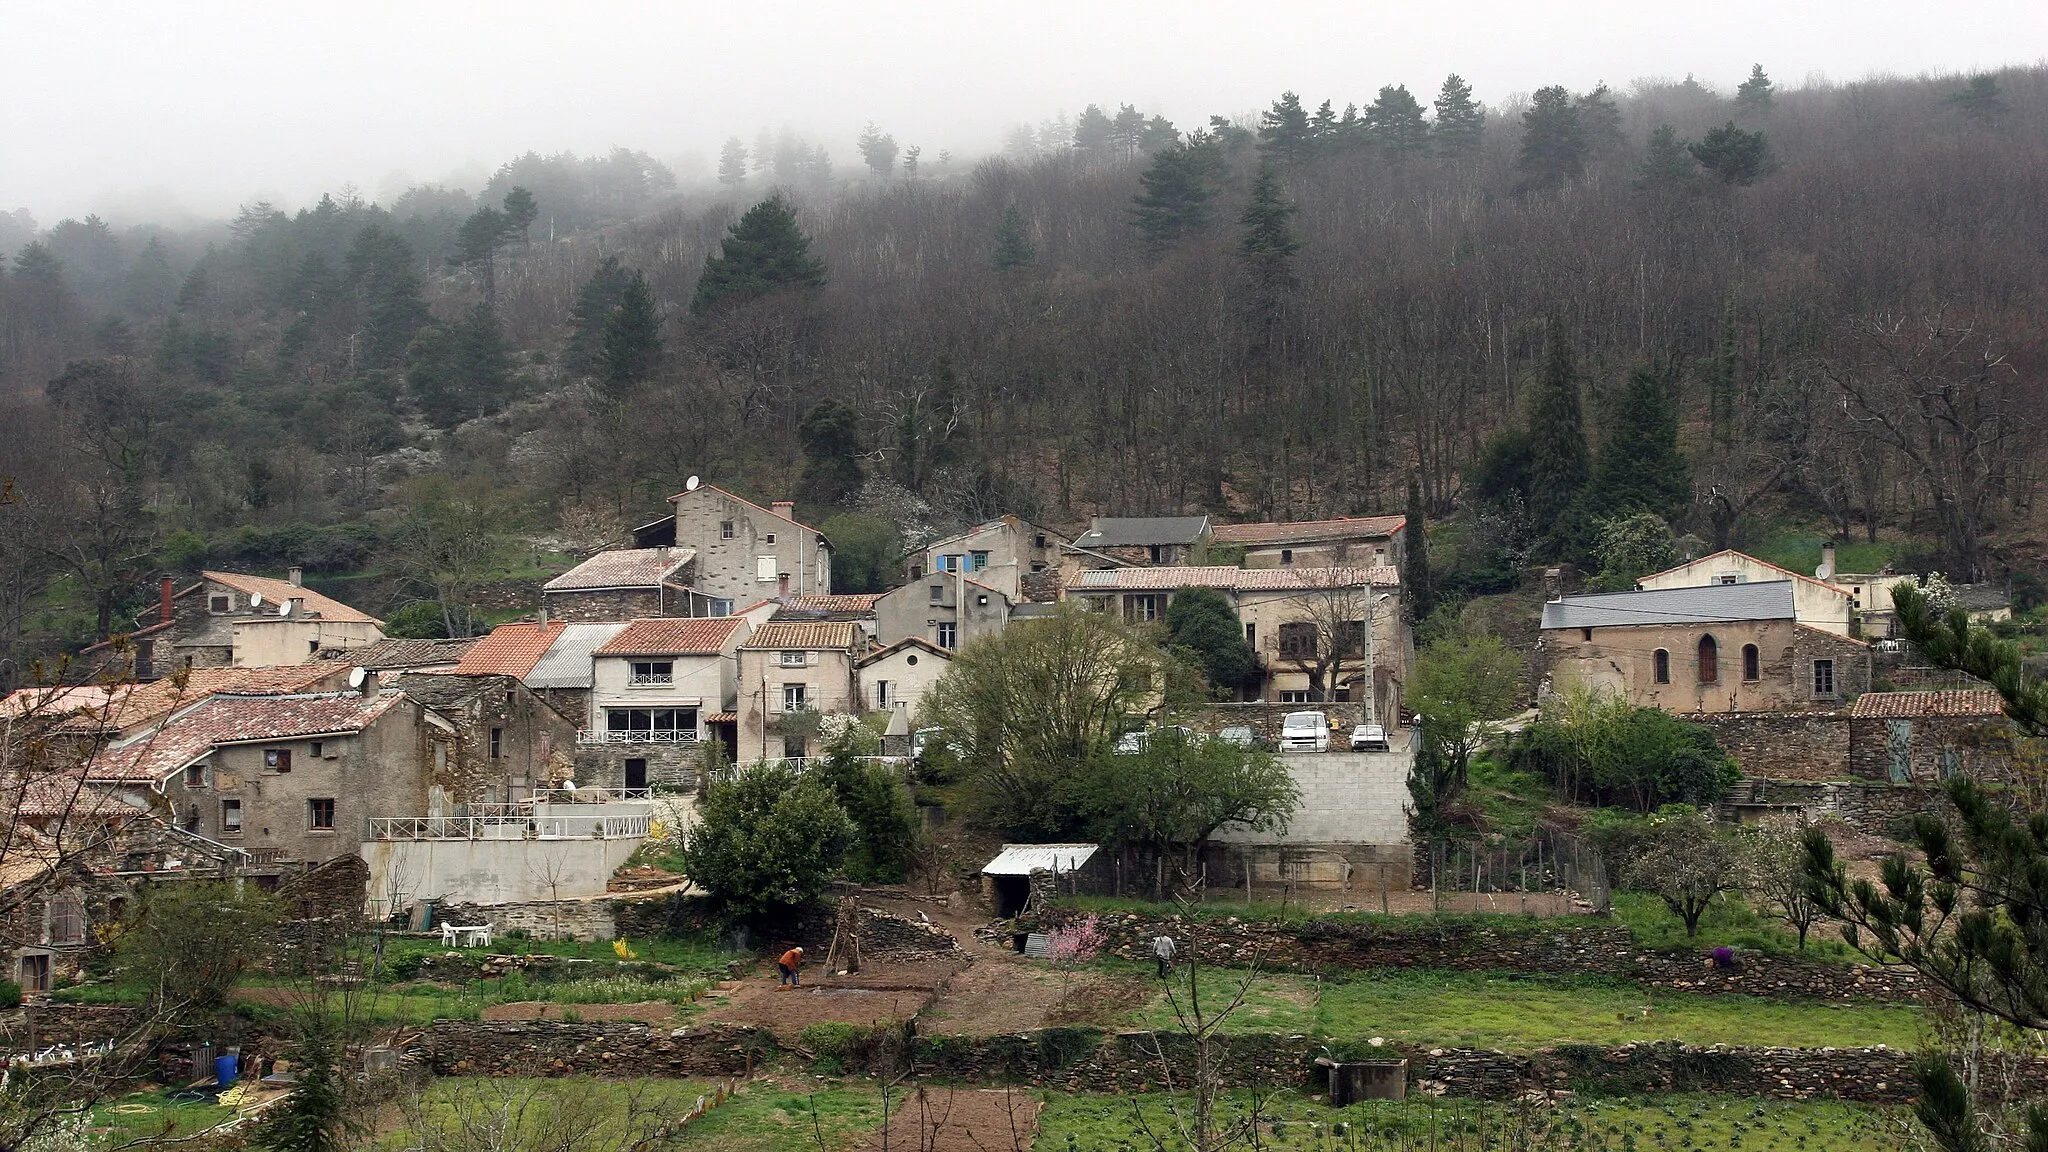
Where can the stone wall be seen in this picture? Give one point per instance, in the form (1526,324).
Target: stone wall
(671,764)
(1513,944)
(600,605)
(553,1048)
(540,919)
(1932,748)
(1783,745)
(1879,809)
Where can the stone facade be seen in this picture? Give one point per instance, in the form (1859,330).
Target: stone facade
(941,602)
(747,553)
(1783,745)
(1622,660)
(1879,809)
(488,739)
(1003,554)
(1930,749)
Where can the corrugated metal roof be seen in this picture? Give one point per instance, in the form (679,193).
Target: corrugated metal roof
(1024,859)
(815,634)
(622,568)
(510,650)
(1309,531)
(689,636)
(1236,579)
(1705,604)
(566,663)
(1141,531)
(1902,705)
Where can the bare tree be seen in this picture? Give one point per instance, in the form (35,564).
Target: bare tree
(1194,1087)
(1329,631)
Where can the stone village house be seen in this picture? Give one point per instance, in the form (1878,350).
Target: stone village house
(948,609)
(1158,541)
(895,680)
(627,584)
(229,619)
(660,691)
(742,552)
(790,674)
(1353,542)
(1010,554)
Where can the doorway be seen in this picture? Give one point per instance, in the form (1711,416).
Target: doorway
(636,773)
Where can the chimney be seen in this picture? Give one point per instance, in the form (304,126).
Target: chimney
(784,508)
(296,575)
(1827,561)
(163,601)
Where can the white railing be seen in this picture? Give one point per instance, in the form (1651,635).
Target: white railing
(590,794)
(529,827)
(652,679)
(640,736)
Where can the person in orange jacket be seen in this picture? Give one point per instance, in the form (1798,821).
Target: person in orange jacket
(788,963)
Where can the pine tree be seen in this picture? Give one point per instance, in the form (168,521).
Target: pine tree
(1268,244)
(877,150)
(1417,586)
(595,300)
(476,246)
(830,438)
(151,283)
(1553,141)
(1980,100)
(1013,243)
(1127,132)
(1736,156)
(1460,121)
(315,1117)
(1323,125)
(1559,464)
(1667,165)
(1176,193)
(732,163)
(1600,122)
(1394,123)
(521,211)
(1159,133)
(632,337)
(462,370)
(766,251)
(1754,94)
(1284,129)
(381,274)
(1092,132)
(1640,467)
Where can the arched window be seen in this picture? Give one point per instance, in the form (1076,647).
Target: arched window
(1752,667)
(1660,664)
(1710,660)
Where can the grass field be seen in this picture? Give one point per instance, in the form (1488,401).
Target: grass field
(152,1116)
(580,1112)
(1496,1010)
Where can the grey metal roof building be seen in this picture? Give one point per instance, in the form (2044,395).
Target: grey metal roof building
(566,663)
(1142,531)
(1711,604)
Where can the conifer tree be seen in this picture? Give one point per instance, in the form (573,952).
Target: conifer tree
(830,438)
(1159,133)
(1667,165)
(1284,129)
(765,251)
(1268,244)
(632,336)
(1127,132)
(1640,467)
(1755,93)
(1600,122)
(381,274)
(520,212)
(1013,243)
(1176,193)
(1553,141)
(1980,100)
(1394,123)
(1559,463)
(1736,156)
(1417,586)
(732,163)
(1092,132)
(877,150)
(476,246)
(1323,124)
(1460,121)
(595,301)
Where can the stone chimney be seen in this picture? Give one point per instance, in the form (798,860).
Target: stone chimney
(164,594)
(296,575)
(1827,561)
(784,508)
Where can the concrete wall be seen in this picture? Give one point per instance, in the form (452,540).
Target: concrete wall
(729,567)
(1814,604)
(267,643)
(910,610)
(1352,823)
(492,871)
(1622,660)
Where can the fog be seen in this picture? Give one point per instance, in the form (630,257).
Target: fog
(147,109)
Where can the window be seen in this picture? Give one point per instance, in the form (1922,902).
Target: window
(647,672)
(1037,567)
(35,972)
(793,747)
(314,749)
(1351,637)
(792,659)
(231,817)
(1728,578)
(911,659)
(1294,695)
(1752,665)
(220,604)
(497,743)
(725,530)
(949,634)
(1710,660)
(1153,552)
(1038,541)
(660,725)
(1251,635)
(195,775)
(1660,666)
(938,593)
(1823,677)
(277,759)
(977,561)
(881,693)
(768,538)
(1287,555)
(1144,608)
(1298,640)
(312,647)
(917,571)
(795,697)
(145,658)
(320,814)
(764,569)
(1585,633)
(67,917)
(721,607)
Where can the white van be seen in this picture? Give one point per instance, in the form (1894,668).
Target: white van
(1305,732)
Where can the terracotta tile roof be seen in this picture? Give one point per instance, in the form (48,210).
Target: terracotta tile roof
(510,650)
(811,634)
(402,653)
(62,700)
(1236,579)
(722,718)
(65,795)
(1308,531)
(622,568)
(279,591)
(702,635)
(147,702)
(842,602)
(235,720)
(1906,705)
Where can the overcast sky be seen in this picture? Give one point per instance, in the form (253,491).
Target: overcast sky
(111,106)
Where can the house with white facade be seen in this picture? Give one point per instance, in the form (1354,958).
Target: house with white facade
(1815,603)
(655,687)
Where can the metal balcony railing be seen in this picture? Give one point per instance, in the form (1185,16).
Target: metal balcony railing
(527,827)
(637,736)
(657,678)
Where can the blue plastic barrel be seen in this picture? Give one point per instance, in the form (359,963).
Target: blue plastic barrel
(224,1068)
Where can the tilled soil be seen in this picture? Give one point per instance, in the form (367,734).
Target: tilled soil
(944,1120)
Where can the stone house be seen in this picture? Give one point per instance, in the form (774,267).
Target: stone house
(789,675)
(233,620)
(628,584)
(1308,626)
(138,708)
(1352,542)
(658,689)
(1927,737)
(1001,553)
(743,552)
(948,609)
(1815,603)
(489,738)
(1170,541)
(895,679)
(1735,647)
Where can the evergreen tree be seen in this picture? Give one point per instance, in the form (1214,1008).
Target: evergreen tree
(1417,586)
(1980,100)
(1268,244)
(476,246)
(1640,467)
(632,337)
(460,371)
(1013,242)
(1667,165)
(1127,132)
(382,275)
(1553,141)
(520,212)
(1736,156)
(1754,94)
(830,437)
(732,163)
(1460,121)
(595,301)
(1600,122)
(316,1116)
(1200,622)
(877,150)
(1092,132)
(766,251)
(1558,460)
(1323,125)
(1284,130)
(1394,123)
(1159,133)
(910,156)
(1176,192)
(151,283)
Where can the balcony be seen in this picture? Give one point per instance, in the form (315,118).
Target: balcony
(651,680)
(640,736)
(543,822)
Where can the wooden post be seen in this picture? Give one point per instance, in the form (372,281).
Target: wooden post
(1383,888)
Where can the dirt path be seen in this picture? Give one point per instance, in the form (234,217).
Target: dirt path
(943,1120)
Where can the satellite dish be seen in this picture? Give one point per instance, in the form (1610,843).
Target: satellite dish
(284,609)
(691,484)
(355,677)
(255,600)
(1823,572)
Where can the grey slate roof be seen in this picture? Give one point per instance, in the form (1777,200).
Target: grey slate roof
(566,663)
(1712,604)
(1140,531)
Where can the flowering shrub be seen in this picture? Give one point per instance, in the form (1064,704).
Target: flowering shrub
(1077,943)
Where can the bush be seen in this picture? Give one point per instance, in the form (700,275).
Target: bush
(419,620)
(10,994)
(767,839)
(1601,751)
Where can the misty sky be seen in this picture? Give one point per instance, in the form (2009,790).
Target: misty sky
(150,108)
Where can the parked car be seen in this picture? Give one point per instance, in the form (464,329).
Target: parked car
(923,739)
(1369,738)
(1305,732)
(1239,735)
(1132,743)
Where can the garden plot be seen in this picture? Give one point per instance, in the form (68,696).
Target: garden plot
(936,1119)
(879,993)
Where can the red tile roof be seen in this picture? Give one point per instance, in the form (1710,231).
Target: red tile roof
(1909,705)
(1308,531)
(1235,579)
(703,635)
(815,634)
(147,702)
(510,650)
(236,720)
(279,591)
(622,568)
(841,602)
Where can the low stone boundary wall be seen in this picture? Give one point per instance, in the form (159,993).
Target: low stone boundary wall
(555,1048)
(1472,946)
